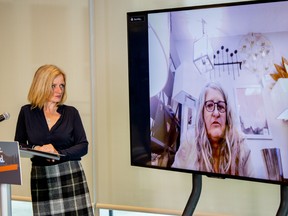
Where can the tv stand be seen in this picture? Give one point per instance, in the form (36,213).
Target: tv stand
(194,197)
(196,191)
(283,208)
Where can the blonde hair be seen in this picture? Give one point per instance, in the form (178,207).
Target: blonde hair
(41,86)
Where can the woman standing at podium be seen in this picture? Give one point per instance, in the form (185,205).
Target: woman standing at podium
(58,187)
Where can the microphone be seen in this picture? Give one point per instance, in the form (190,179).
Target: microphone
(4,116)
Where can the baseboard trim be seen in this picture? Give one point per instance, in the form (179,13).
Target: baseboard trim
(150,210)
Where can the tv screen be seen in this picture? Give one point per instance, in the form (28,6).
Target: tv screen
(208,90)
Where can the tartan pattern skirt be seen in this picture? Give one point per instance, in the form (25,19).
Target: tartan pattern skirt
(60,190)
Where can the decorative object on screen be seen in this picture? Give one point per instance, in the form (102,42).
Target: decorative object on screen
(256,53)
(203,52)
(226,60)
(281,70)
(273,163)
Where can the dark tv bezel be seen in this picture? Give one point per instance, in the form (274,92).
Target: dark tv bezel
(139,98)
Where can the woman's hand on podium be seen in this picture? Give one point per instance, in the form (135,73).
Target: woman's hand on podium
(47,148)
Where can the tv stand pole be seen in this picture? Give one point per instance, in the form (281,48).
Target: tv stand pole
(194,197)
(196,191)
(283,208)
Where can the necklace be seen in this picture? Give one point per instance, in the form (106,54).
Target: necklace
(48,120)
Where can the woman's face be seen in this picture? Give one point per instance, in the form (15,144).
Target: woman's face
(58,88)
(215,115)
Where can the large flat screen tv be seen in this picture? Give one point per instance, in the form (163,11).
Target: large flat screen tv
(208,90)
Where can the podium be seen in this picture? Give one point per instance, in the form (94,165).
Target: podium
(10,170)
(10,173)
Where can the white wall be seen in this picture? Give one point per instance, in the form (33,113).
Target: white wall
(57,32)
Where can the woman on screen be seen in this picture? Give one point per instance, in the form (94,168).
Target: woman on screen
(218,145)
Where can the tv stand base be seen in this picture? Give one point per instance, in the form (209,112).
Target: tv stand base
(196,191)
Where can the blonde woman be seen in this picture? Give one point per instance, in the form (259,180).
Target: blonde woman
(58,187)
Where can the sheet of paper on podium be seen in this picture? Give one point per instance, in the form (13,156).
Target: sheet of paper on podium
(10,167)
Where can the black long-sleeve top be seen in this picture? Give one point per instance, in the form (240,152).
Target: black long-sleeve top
(67,135)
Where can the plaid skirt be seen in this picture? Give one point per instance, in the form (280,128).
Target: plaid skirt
(60,190)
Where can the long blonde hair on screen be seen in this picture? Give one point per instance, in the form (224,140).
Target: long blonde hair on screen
(230,159)
(41,86)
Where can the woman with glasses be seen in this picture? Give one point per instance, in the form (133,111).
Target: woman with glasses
(217,145)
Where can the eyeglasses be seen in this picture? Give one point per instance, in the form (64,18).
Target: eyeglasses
(210,106)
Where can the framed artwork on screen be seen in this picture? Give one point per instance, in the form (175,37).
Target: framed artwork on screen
(252,112)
